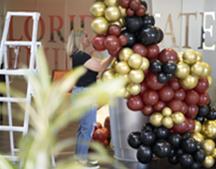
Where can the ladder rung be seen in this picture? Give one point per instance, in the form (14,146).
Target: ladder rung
(14,128)
(21,43)
(16,72)
(12,99)
(23,13)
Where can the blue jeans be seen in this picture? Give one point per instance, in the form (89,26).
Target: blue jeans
(85,130)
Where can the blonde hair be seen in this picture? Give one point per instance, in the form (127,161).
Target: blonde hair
(74,43)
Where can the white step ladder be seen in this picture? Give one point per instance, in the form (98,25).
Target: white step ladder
(6,71)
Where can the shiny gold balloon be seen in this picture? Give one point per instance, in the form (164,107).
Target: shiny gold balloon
(167,111)
(100,25)
(214,153)
(209,129)
(111,2)
(206,69)
(199,55)
(197,69)
(168,122)
(112,13)
(190,82)
(145,64)
(125,53)
(178,117)
(122,11)
(135,61)
(108,75)
(198,137)
(136,76)
(210,80)
(123,93)
(156,119)
(180,56)
(134,89)
(124,76)
(189,57)
(209,146)
(198,127)
(122,22)
(183,70)
(209,162)
(122,68)
(98,9)
(118,23)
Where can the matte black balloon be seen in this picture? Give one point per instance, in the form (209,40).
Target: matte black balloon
(186,161)
(173,160)
(134,140)
(156,66)
(203,111)
(189,145)
(162,133)
(148,36)
(200,119)
(148,20)
(162,78)
(199,156)
(144,155)
(169,68)
(175,140)
(196,166)
(162,149)
(211,115)
(133,23)
(148,138)
(160,35)
(131,40)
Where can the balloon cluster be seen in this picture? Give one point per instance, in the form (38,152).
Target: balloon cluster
(160,142)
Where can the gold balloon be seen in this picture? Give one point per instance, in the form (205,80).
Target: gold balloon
(180,56)
(136,76)
(199,55)
(206,69)
(134,89)
(178,118)
(156,119)
(135,61)
(167,111)
(125,54)
(112,13)
(168,122)
(197,69)
(108,75)
(183,70)
(189,57)
(209,129)
(198,126)
(145,64)
(111,2)
(118,23)
(190,82)
(100,25)
(124,76)
(98,9)
(123,93)
(209,146)
(122,11)
(122,68)
(210,80)
(209,162)
(198,137)
(122,22)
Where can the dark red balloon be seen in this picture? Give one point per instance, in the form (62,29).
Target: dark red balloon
(152,82)
(140,49)
(135,103)
(153,52)
(168,55)
(98,43)
(204,99)
(123,40)
(190,125)
(174,83)
(202,86)
(114,30)
(166,94)
(147,110)
(143,87)
(98,126)
(107,123)
(192,111)
(100,135)
(184,108)
(192,97)
(134,5)
(181,128)
(124,3)
(150,97)
(159,106)
(176,105)
(114,53)
(141,11)
(180,94)
(130,12)
(112,43)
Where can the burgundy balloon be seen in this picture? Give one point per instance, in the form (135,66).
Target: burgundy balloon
(184,108)
(98,43)
(114,30)
(153,52)
(176,105)
(147,110)
(130,12)
(112,43)
(181,128)
(190,125)
(123,40)
(192,111)
(152,82)
(114,53)
(143,87)
(202,85)
(204,99)
(168,55)
(159,106)
(192,97)
(140,49)
(124,3)
(150,97)
(174,83)
(180,94)
(135,103)
(134,5)
(141,11)
(166,94)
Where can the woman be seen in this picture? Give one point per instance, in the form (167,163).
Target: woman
(79,48)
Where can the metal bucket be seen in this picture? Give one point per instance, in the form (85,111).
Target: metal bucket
(123,122)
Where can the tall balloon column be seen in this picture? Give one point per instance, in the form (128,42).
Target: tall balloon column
(168,87)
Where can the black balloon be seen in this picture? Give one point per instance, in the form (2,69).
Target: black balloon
(156,66)
(186,160)
(162,78)
(148,35)
(189,145)
(200,119)
(131,40)
(196,166)
(203,111)
(186,136)
(180,152)
(199,156)
(143,2)
(162,149)
(173,160)
(162,133)
(148,20)
(211,115)
(175,140)
(144,155)
(169,76)
(134,140)
(133,23)
(160,35)
(169,68)
(148,127)
(147,138)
